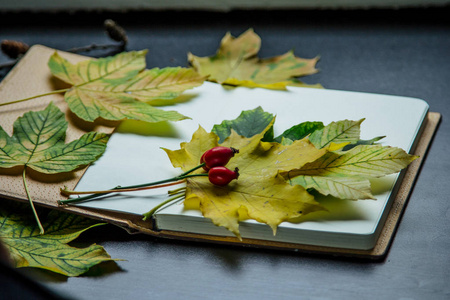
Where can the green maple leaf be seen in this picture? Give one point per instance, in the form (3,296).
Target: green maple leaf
(118,87)
(247,124)
(254,121)
(236,63)
(38,142)
(298,132)
(50,251)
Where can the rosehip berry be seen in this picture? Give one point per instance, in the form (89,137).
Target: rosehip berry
(222,176)
(217,156)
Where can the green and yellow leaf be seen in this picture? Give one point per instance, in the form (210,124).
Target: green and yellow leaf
(345,131)
(344,175)
(343,187)
(247,124)
(236,63)
(104,71)
(38,142)
(29,248)
(300,131)
(275,174)
(259,193)
(118,87)
(364,160)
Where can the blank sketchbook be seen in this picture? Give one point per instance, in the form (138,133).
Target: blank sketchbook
(357,228)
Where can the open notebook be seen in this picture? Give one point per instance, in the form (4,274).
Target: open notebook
(133,156)
(137,158)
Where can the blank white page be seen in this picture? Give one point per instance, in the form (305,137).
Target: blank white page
(133,155)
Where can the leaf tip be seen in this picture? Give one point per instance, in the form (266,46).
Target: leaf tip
(274,230)
(238,235)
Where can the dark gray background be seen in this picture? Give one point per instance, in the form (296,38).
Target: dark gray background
(400,52)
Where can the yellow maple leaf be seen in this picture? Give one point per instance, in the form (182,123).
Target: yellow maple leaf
(259,193)
(236,63)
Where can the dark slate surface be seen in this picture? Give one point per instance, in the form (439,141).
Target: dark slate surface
(402,52)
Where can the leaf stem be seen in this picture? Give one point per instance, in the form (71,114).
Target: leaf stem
(36,96)
(176,191)
(193,169)
(122,189)
(41,229)
(156,184)
(149,214)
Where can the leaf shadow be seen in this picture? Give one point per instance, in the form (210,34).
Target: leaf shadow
(100,270)
(43,275)
(103,269)
(341,209)
(183,98)
(14,171)
(380,185)
(58,84)
(336,210)
(50,178)
(162,129)
(37,176)
(89,126)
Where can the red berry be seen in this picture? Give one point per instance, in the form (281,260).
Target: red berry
(217,156)
(222,176)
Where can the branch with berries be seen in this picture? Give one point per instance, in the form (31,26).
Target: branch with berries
(212,161)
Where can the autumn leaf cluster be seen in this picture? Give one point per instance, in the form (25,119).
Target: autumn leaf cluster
(118,88)
(276,173)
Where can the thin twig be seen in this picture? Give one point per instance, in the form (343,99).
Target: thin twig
(96,47)
(70,192)
(157,184)
(9,64)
